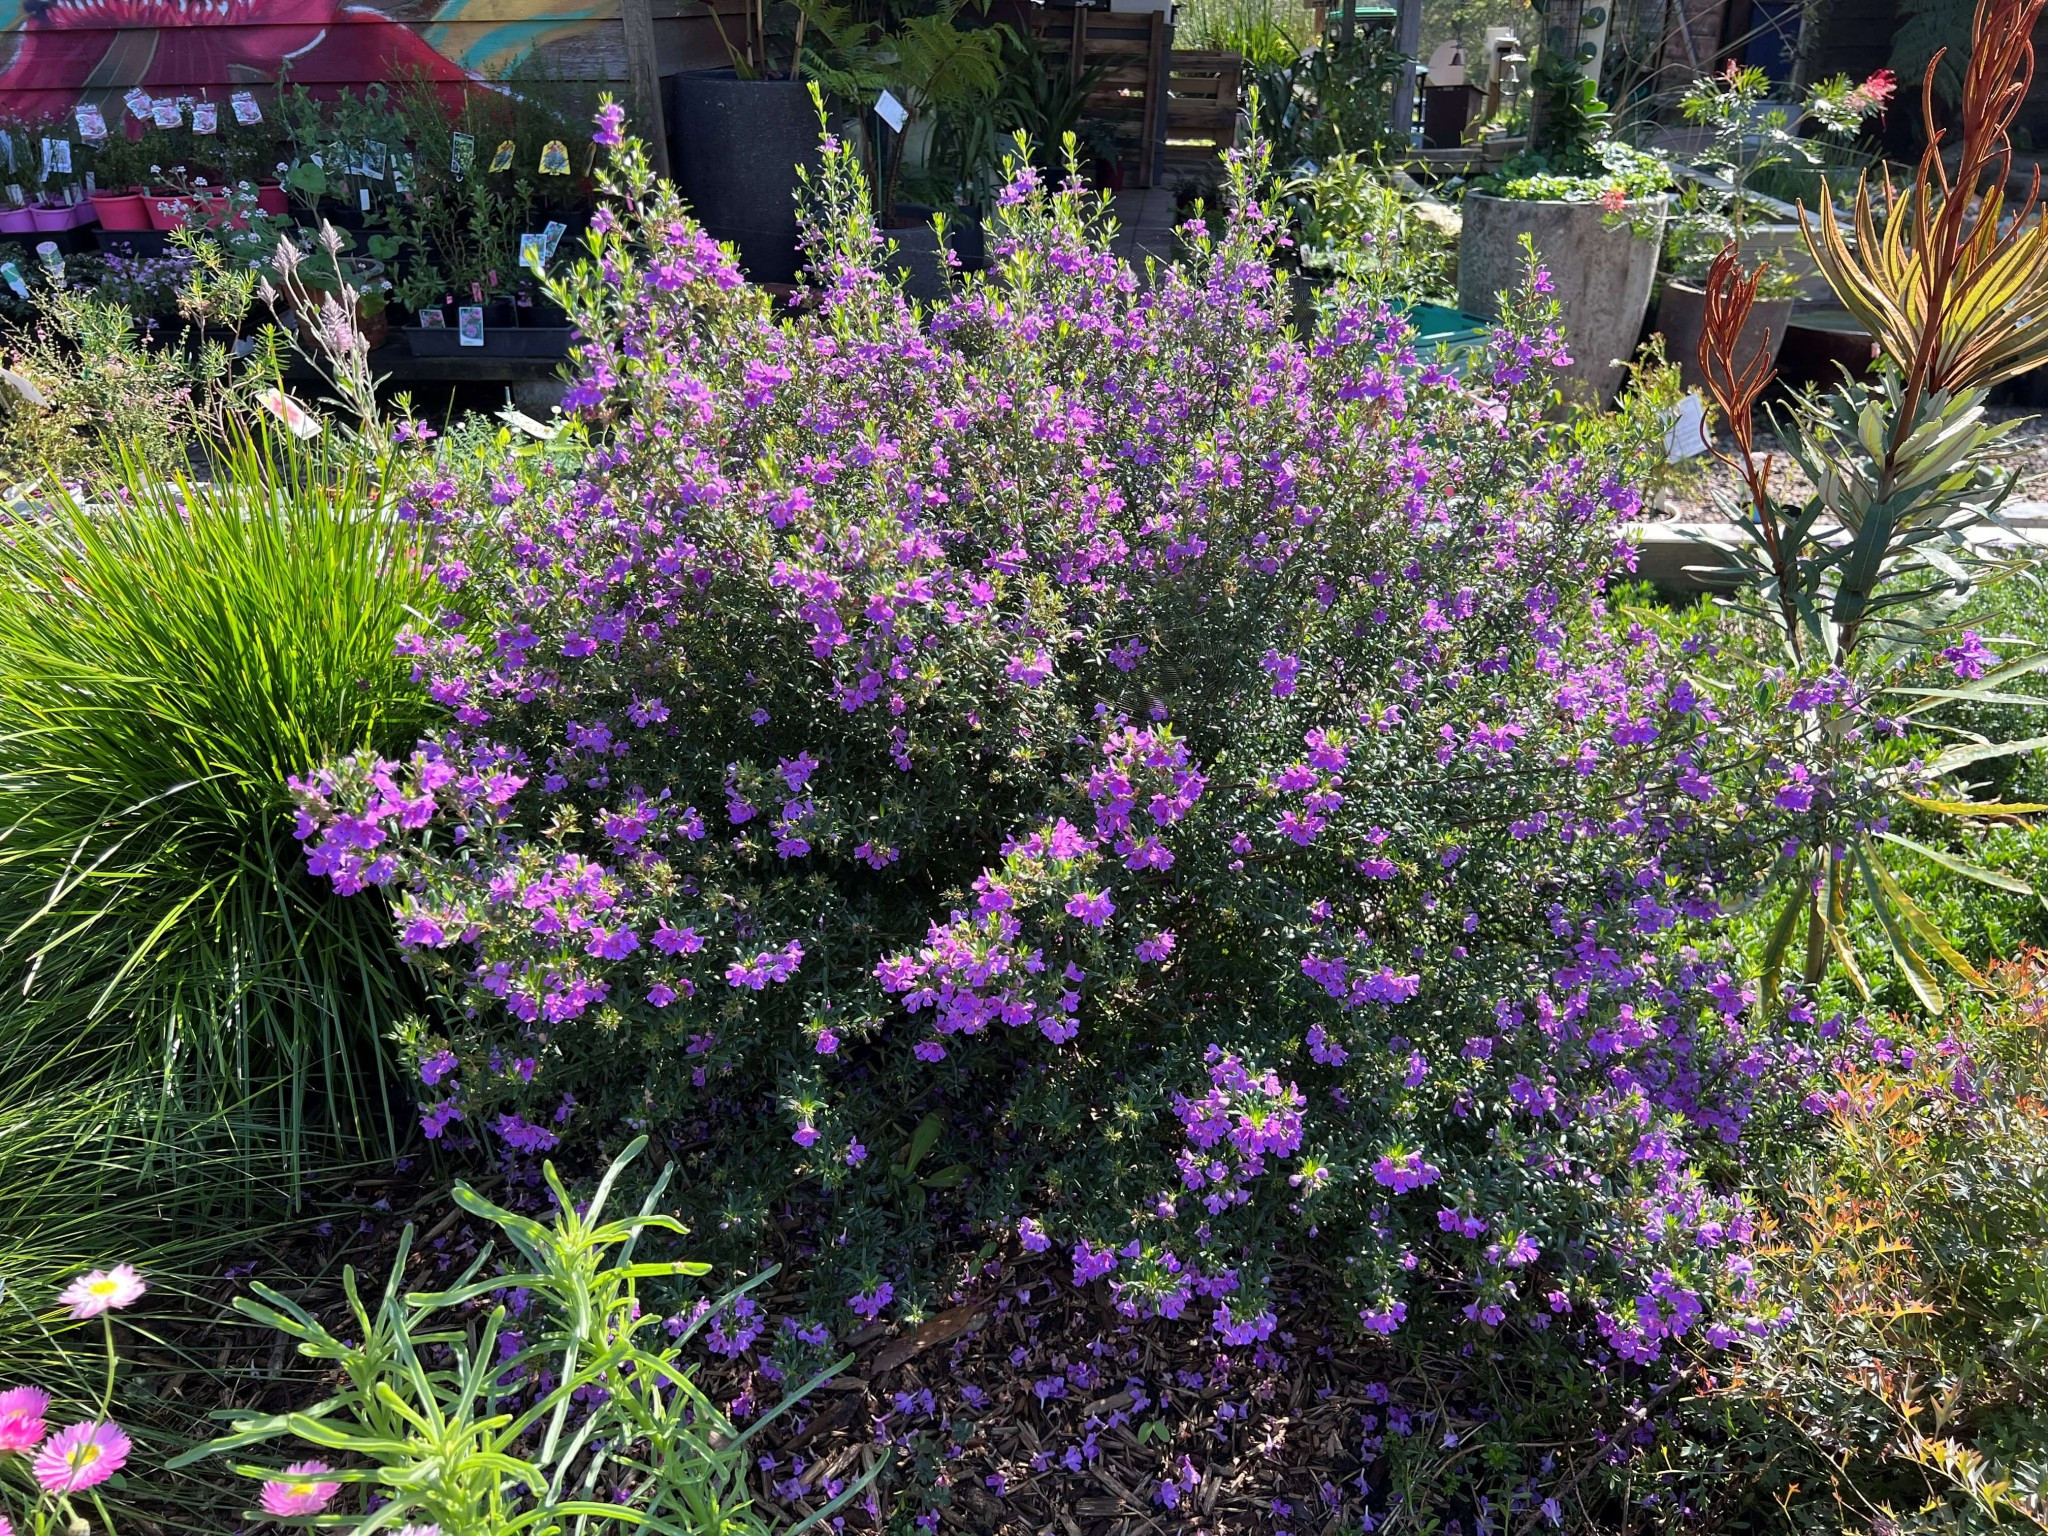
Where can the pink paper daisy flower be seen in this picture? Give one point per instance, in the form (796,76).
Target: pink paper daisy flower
(103,1290)
(6,1526)
(403,1530)
(299,1491)
(21,1419)
(82,1456)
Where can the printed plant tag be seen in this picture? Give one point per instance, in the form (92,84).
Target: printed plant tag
(206,117)
(12,274)
(297,419)
(14,194)
(554,158)
(502,160)
(1685,433)
(433,320)
(470,323)
(891,111)
(165,113)
(553,236)
(56,158)
(363,198)
(247,111)
(138,102)
(533,252)
(92,123)
(461,154)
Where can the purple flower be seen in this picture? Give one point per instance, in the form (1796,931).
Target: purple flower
(871,1303)
(522,1136)
(437,1066)
(1969,657)
(611,118)
(1093,907)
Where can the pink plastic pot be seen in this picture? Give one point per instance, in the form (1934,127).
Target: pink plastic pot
(174,210)
(17,221)
(121,210)
(270,198)
(167,210)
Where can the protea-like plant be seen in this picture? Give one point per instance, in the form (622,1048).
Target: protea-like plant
(1867,571)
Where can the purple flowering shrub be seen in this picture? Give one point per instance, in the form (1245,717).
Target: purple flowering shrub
(1088,768)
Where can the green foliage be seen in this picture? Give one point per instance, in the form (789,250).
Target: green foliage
(452,1418)
(1914,1377)
(1611,168)
(1264,33)
(1336,98)
(1353,223)
(1928,27)
(172,657)
(1749,140)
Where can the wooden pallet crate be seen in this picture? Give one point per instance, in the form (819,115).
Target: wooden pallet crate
(1132,52)
(1202,120)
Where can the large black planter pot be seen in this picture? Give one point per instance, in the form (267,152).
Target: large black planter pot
(734,146)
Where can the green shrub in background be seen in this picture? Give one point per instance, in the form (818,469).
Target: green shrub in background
(169,658)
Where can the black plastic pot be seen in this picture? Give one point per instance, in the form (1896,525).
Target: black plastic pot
(734,147)
(926,274)
(529,341)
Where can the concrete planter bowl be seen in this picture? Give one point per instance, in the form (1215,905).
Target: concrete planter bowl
(1602,276)
(1682,316)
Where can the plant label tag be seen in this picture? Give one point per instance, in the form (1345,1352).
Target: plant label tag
(554,158)
(553,236)
(470,325)
(433,320)
(165,113)
(533,253)
(247,112)
(92,123)
(363,198)
(206,117)
(891,111)
(476,292)
(502,160)
(91,186)
(299,421)
(138,101)
(15,280)
(14,194)
(461,154)
(401,170)
(1685,435)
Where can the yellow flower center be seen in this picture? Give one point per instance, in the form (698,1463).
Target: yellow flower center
(302,1490)
(86,1454)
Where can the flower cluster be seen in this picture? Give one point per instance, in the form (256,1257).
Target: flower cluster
(79,1457)
(1190,771)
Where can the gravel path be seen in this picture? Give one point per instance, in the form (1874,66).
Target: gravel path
(1698,497)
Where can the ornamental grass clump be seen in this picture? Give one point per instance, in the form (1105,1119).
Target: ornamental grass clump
(1086,767)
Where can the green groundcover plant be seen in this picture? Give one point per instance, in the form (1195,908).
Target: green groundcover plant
(1086,765)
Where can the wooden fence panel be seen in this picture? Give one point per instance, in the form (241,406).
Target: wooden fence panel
(1131,50)
(1202,92)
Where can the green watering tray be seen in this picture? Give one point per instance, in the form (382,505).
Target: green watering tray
(1456,332)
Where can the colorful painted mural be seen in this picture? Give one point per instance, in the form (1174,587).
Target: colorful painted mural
(54,53)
